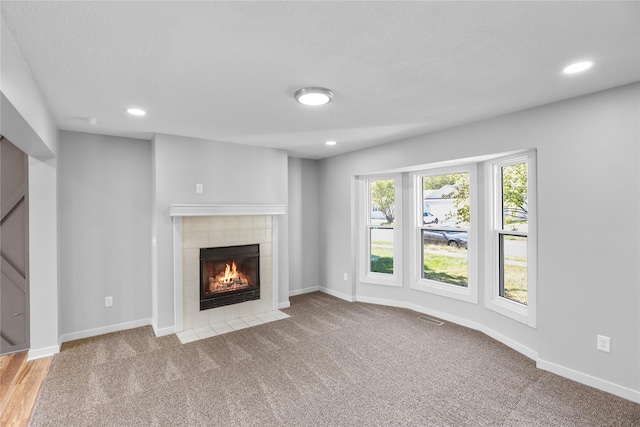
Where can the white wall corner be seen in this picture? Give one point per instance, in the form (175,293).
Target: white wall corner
(161,332)
(337,294)
(285,304)
(306,290)
(38,353)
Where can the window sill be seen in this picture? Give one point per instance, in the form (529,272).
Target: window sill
(512,310)
(381,279)
(444,289)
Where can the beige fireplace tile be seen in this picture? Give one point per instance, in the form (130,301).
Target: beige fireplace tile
(191,289)
(187,321)
(201,319)
(265,298)
(245,222)
(224,231)
(216,238)
(259,236)
(190,305)
(190,256)
(200,223)
(206,333)
(187,240)
(190,275)
(265,249)
(194,239)
(222,329)
(187,224)
(202,239)
(230,222)
(216,223)
(259,222)
(187,336)
(266,275)
(216,315)
(265,265)
(237,237)
(245,309)
(265,280)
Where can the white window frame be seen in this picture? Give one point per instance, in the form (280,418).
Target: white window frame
(365,275)
(522,313)
(470,292)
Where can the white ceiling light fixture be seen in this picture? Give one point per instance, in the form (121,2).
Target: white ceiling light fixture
(330,143)
(314,96)
(136,112)
(578,67)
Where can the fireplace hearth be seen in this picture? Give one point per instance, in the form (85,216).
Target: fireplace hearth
(229,275)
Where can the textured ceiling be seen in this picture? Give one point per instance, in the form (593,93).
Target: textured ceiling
(228,70)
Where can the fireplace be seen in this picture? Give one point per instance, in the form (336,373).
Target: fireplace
(229,275)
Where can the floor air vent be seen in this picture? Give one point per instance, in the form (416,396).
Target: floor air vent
(432,321)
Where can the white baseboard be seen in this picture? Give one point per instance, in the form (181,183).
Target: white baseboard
(609,387)
(306,290)
(337,294)
(161,332)
(37,353)
(104,330)
(530,353)
(285,304)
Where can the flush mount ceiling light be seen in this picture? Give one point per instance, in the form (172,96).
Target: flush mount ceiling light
(578,67)
(330,143)
(314,96)
(136,112)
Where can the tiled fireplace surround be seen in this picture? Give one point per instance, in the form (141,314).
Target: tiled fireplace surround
(208,226)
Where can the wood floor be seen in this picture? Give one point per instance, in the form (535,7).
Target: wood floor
(20,383)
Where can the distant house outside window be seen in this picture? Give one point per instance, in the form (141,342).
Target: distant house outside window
(445,232)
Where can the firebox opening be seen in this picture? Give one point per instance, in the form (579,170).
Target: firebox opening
(229,275)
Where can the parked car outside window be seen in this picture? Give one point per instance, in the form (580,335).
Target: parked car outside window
(441,237)
(429,218)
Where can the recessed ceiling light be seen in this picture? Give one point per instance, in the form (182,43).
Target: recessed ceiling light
(330,143)
(578,67)
(136,112)
(314,96)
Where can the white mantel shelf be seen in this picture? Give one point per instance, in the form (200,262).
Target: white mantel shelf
(225,210)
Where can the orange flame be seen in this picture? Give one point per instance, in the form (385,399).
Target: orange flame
(230,273)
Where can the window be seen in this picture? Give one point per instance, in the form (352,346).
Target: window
(381,239)
(511,237)
(445,240)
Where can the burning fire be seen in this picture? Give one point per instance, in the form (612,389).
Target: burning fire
(228,280)
(230,274)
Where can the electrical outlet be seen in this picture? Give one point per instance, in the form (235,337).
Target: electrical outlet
(108,301)
(344,277)
(199,188)
(604,343)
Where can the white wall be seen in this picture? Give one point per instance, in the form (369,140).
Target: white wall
(105,232)
(231,174)
(304,270)
(43,258)
(588,280)
(26,121)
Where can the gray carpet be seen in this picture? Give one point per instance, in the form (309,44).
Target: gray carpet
(333,363)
